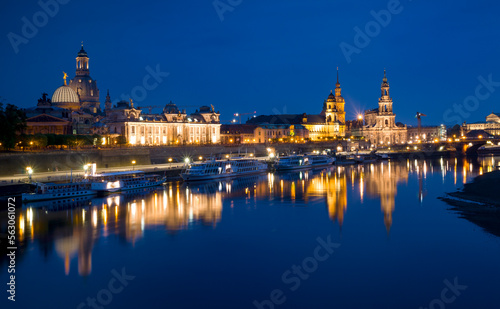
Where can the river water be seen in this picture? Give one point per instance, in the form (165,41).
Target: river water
(365,236)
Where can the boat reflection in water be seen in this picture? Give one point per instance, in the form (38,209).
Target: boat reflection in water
(72,227)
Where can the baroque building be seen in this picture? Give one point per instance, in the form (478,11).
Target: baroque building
(490,126)
(82,92)
(328,124)
(172,127)
(84,86)
(380,126)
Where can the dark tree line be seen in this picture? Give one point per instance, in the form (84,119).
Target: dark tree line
(12,121)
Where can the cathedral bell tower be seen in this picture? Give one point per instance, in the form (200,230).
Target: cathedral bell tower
(82,63)
(340,102)
(329,109)
(84,85)
(385,101)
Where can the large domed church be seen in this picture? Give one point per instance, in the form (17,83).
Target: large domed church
(81,93)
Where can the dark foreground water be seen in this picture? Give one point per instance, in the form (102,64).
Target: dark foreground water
(372,236)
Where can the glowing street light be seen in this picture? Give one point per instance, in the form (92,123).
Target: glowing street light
(170,160)
(186,160)
(29,170)
(133,164)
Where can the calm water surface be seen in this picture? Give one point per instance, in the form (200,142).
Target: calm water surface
(237,244)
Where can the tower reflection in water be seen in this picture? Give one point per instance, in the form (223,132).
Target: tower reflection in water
(73,227)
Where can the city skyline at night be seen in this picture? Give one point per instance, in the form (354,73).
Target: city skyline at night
(239,61)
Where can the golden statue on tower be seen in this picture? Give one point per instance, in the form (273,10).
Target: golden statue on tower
(64,77)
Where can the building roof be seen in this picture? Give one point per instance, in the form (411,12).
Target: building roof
(286,119)
(280,126)
(237,128)
(171,108)
(122,105)
(43,109)
(45,118)
(82,52)
(477,133)
(65,94)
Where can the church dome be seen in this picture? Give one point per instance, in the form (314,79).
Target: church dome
(171,108)
(66,97)
(205,109)
(331,97)
(65,94)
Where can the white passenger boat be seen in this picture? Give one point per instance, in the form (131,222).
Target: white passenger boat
(123,181)
(320,160)
(293,162)
(217,169)
(52,191)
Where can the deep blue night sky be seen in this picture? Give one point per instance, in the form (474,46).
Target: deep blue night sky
(268,56)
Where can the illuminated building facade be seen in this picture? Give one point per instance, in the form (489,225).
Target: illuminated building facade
(491,126)
(427,133)
(237,133)
(172,127)
(380,124)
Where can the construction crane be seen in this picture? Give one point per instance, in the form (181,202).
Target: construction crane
(242,114)
(150,107)
(419,117)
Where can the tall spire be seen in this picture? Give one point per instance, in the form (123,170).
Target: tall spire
(338,83)
(385,77)
(107,103)
(338,90)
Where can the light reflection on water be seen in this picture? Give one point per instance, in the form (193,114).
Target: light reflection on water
(75,226)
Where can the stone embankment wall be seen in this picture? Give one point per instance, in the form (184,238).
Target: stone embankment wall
(65,160)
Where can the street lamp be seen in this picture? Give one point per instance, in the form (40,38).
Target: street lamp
(133,164)
(30,172)
(186,160)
